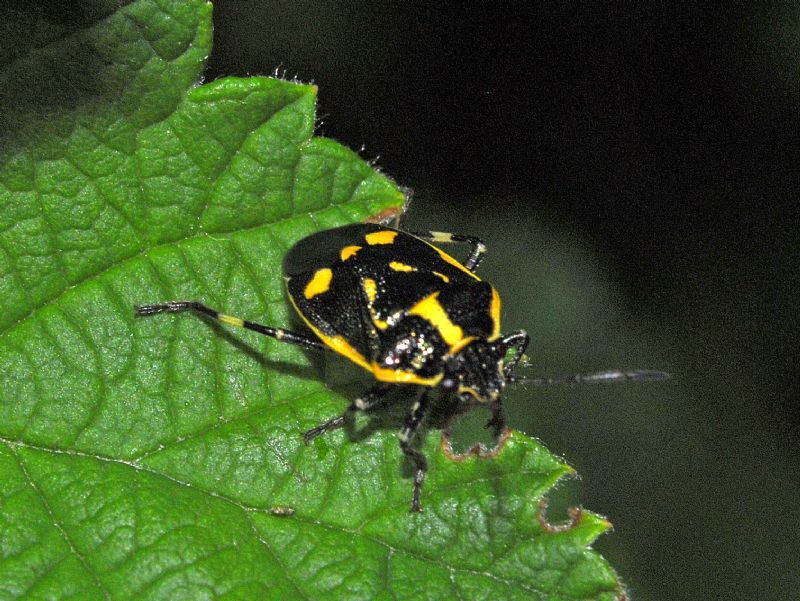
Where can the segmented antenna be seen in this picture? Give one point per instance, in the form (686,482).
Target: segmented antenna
(602,377)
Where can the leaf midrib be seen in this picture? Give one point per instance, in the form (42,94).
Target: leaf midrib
(248,511)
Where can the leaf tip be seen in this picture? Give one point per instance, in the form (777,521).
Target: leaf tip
(386,216)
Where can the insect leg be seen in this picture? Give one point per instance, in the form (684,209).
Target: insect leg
(278,333)
(518,340)
(475,255)
(498,420)
(363,403)
(417,457)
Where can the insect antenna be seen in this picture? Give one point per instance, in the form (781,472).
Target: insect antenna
(601,377)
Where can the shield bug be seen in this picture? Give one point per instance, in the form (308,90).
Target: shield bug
(398,306)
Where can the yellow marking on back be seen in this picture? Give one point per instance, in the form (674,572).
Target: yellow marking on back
(441,276)
(473,392)
(447,258)
(319,284)
(337,343)
(381,237)
(231,320)
(461,344)
(398,266)
(341,346)
(432,311)
(494,313)
(349,251)
(370,289)
(400,376)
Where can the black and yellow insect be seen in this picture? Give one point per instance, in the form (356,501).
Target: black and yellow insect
(397,305)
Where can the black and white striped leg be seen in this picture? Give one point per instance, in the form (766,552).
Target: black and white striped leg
(277,333)
(369,399)
(518,340)
(406,435)
(478,247)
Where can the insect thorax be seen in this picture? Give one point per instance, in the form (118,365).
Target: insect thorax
(413,352)
(412,345)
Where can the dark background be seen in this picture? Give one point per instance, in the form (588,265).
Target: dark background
(634,171)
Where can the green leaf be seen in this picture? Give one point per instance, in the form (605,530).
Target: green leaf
(161,457)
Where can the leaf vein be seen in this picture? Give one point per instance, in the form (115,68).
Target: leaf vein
(60,527)
(422,558)
(143,253)
(276,556)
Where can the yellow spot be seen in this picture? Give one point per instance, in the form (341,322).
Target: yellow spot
(381,237)
(461,344)
(370,289)
(471,391)
(337,343)
(442,276)
(341,346)
(400,376)
(494,313)
(453,262)
(432,311)
(398,266)
(441,237)
(319,284)
(230,320)
(349,251)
